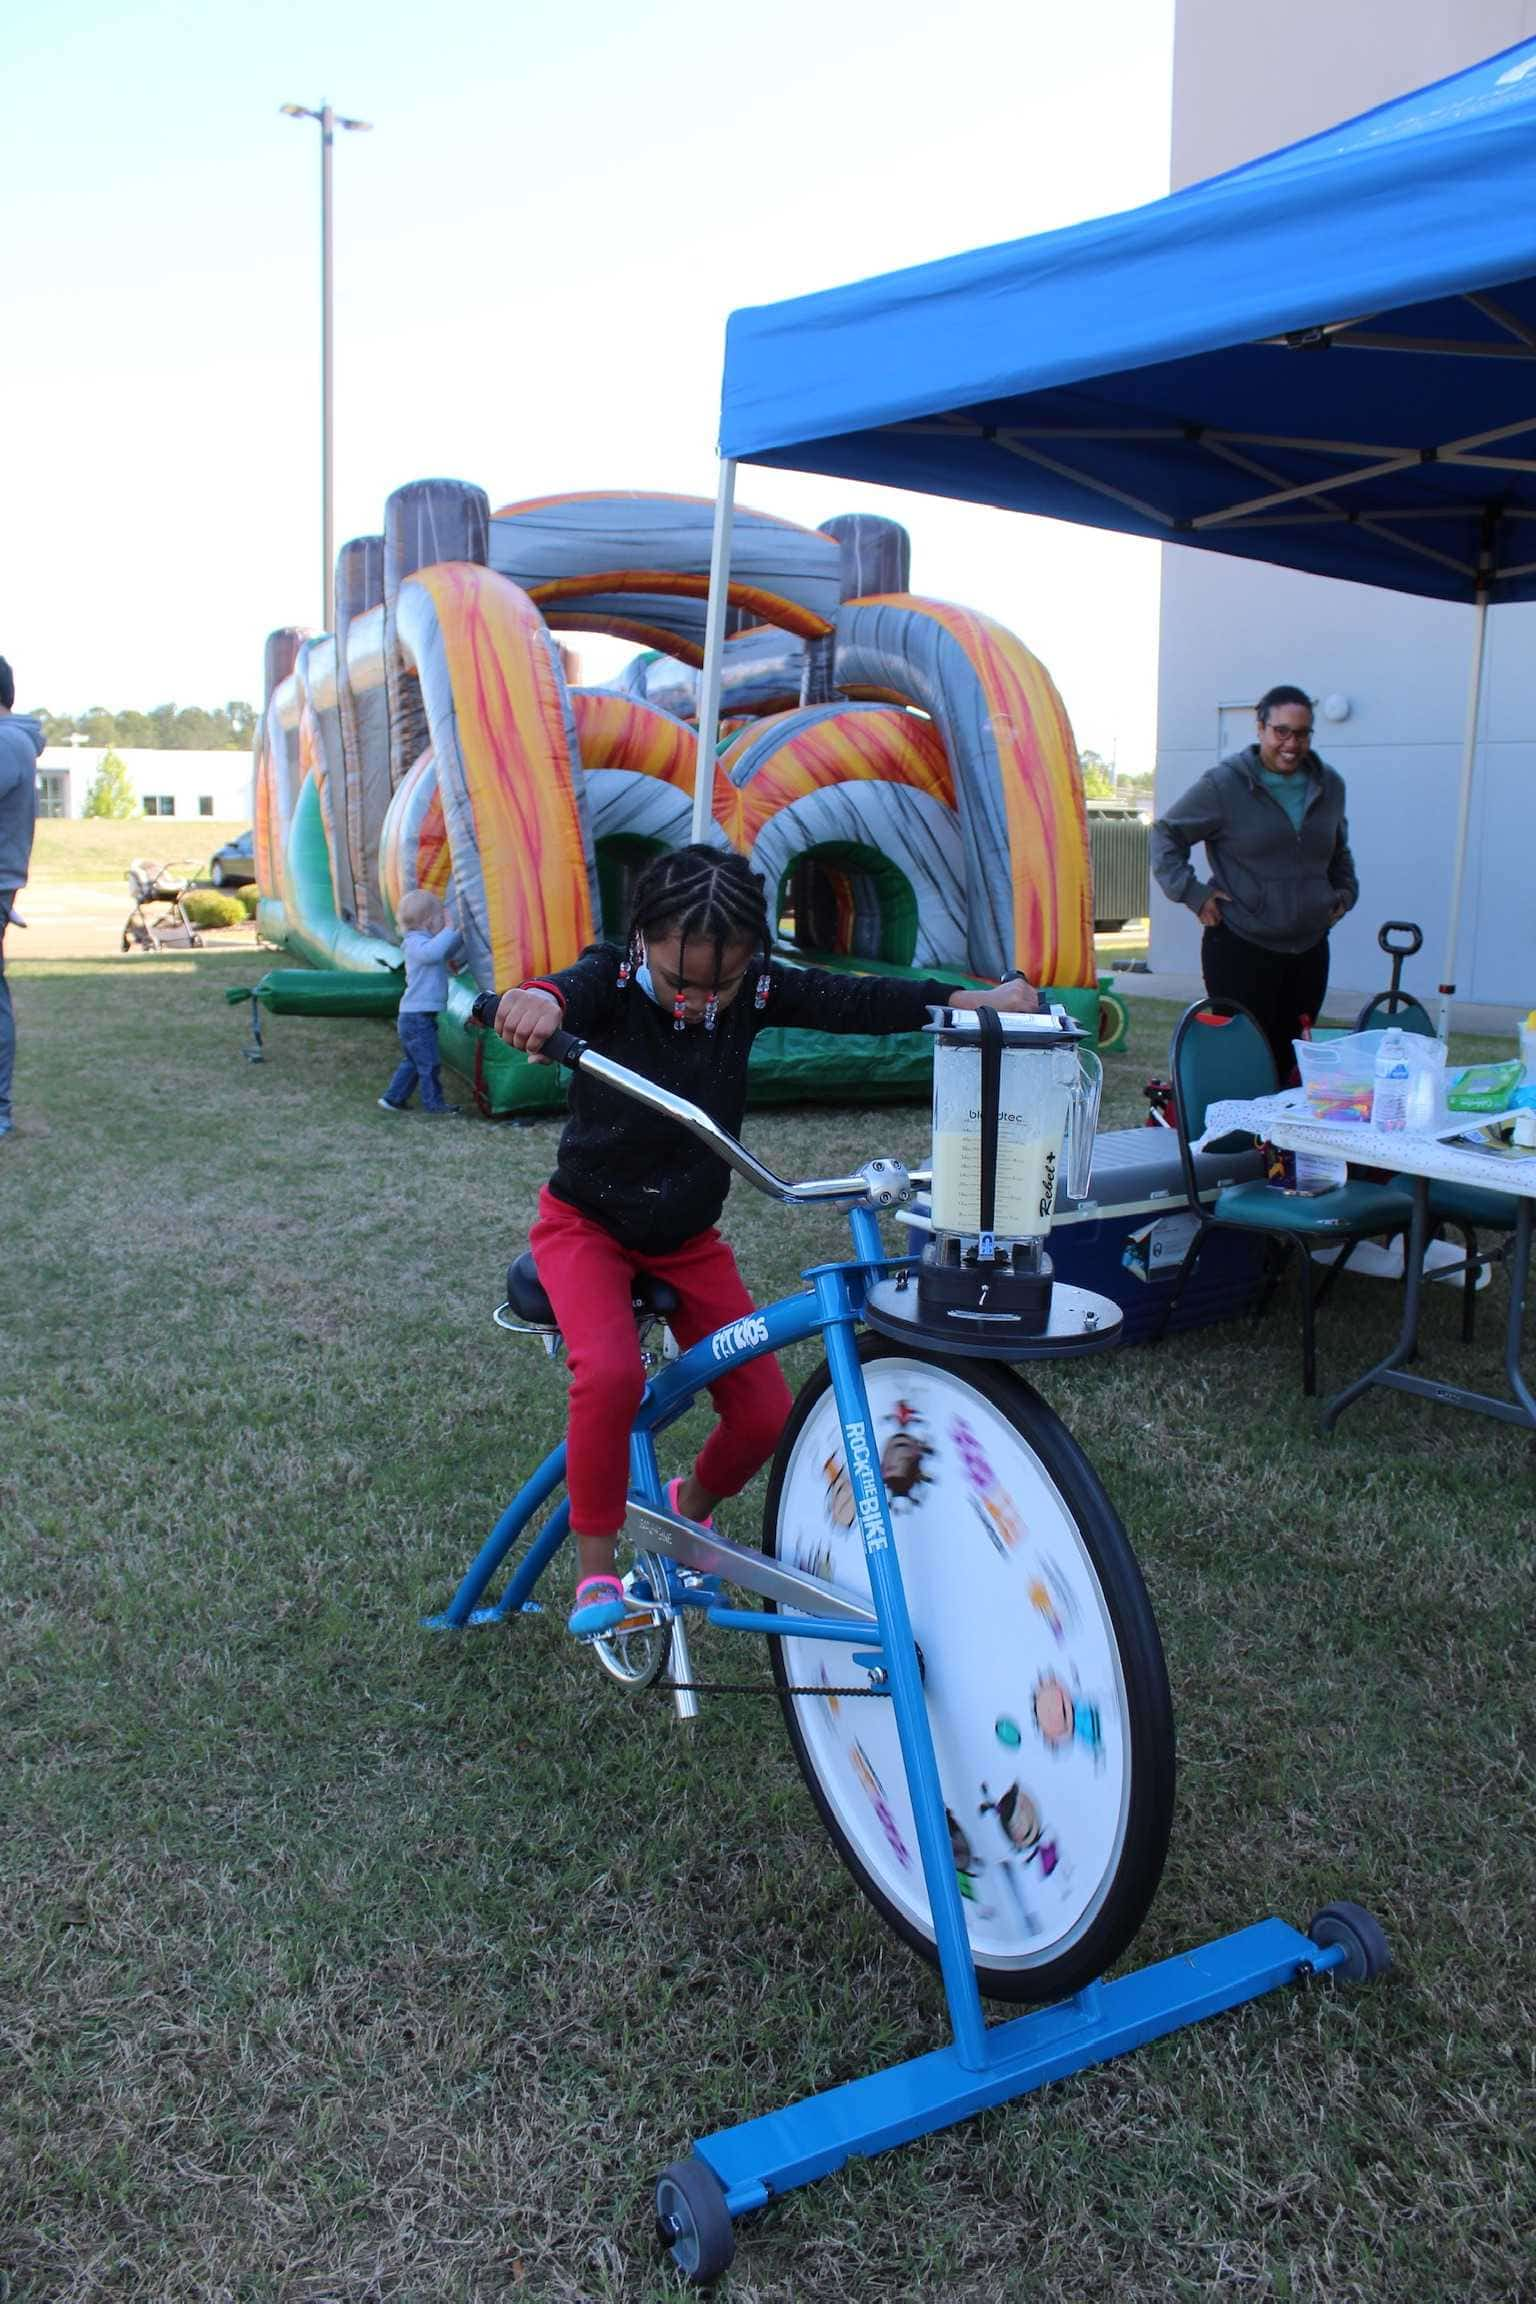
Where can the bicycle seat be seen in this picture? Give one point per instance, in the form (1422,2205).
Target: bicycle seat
(525,1294)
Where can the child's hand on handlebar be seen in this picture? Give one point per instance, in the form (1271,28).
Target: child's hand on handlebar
(525,1019)
(1015,996)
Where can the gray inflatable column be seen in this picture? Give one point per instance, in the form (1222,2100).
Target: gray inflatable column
(877,554)
(362,708)
(426,522)
(281,731)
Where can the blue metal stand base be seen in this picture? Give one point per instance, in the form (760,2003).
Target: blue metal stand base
(810,2139)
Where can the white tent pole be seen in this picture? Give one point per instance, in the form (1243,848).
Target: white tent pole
(1463,814)
(714,650)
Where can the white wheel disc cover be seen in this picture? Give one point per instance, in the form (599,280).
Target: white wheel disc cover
(1025,1696)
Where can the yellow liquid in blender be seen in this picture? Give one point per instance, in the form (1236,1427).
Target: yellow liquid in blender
(1023,1184)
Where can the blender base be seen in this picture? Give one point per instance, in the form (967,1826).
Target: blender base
(1079,1322)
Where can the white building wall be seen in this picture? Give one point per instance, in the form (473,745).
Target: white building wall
(185,779)
(1248,79)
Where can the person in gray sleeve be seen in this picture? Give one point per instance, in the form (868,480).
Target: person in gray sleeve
(1281,874)
(21,740)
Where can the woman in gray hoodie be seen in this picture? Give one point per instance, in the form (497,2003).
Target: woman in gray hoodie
(1277,848)
(21,740)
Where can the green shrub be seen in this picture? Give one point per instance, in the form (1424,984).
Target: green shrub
(248,898)
(210,908)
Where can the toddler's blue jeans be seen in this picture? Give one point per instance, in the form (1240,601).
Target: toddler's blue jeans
(418,1037)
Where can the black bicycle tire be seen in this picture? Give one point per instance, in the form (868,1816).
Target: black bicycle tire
(1148,1697)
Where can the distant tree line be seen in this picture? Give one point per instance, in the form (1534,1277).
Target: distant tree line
(1101,781)
(168,728)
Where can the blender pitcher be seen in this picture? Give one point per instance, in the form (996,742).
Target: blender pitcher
(1011,1098)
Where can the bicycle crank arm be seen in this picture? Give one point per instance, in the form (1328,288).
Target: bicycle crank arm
(694,1547)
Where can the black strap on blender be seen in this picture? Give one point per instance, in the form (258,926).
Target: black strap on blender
(991,1031)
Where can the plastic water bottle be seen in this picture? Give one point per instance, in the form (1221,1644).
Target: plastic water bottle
(1389,1099)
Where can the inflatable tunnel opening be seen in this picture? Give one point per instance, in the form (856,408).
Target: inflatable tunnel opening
(846,901)
(621,858)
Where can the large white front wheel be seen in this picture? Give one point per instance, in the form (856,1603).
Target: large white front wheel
(1043,1674)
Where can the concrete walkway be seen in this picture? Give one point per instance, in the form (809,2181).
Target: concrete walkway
(1342,1006)
(64,921)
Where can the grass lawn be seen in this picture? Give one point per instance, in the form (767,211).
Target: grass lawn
(96,851)
(341,1961)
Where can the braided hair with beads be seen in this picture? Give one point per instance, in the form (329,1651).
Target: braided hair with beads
(701,894)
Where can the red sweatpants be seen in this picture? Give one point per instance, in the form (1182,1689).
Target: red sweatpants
(587,1276)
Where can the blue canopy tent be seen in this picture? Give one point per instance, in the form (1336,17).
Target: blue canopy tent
(1324,360)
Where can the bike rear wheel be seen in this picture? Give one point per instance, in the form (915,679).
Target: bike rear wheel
(1046,1690)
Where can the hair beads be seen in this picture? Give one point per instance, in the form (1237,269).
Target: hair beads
(760,996)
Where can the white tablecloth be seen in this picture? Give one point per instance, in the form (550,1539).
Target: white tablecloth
(1287,1120)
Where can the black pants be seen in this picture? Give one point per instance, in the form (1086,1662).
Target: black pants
(1279,987)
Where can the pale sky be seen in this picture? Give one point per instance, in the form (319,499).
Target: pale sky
(536,249)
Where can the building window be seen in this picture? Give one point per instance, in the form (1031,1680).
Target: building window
(159,803)
(53,791)
(205,804)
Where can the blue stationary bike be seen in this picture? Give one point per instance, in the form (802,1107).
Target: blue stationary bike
(968,1666)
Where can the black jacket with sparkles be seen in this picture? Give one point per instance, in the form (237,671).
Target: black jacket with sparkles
(648,1181)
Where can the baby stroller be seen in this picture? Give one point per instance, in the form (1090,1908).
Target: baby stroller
(157,922)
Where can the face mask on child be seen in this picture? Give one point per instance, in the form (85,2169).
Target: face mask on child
(646,983)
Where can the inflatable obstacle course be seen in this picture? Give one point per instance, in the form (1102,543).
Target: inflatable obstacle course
(901,771)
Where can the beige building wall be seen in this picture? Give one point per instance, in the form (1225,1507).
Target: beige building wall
(1249,78)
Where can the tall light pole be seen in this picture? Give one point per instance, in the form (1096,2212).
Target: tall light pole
(329,121)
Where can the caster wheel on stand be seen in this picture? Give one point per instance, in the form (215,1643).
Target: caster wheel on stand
(693,2222)
(1366,1950)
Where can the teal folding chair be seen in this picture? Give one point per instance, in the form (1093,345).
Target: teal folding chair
(1219,1052)
(1468,1209)
(1399,1008)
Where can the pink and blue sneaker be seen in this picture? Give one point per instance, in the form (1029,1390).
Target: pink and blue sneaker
(600,1605)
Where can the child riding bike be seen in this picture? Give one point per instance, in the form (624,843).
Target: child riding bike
(635,1193)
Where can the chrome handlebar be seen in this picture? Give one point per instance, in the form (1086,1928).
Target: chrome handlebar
(878,1184)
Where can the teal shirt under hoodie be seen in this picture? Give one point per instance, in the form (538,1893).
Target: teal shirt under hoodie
(21,740)
(1281,879)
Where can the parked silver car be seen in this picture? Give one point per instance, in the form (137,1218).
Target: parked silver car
(234,864)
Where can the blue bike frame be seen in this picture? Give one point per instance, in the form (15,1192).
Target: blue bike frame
(982,2065)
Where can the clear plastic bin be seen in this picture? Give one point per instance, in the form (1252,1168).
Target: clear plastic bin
(1339,1077)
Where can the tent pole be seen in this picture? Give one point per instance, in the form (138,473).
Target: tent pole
(714,650)
(1463,813)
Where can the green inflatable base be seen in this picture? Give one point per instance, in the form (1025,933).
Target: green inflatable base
(787,1067)
(325,991)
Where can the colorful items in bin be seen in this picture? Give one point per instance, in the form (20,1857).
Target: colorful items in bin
(1484,1087)
(1338,1076)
